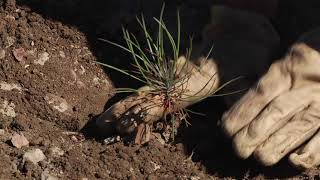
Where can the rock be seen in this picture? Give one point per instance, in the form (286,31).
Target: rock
(9,87)
(195,178)
(2,53)
(34,156)
(111,140)
(57,103)
(2,132)
(10,18)
(19,54)
(74,139)
(104,83)
(56,151)
(42,58)
(83,70)
(18,140)
(46,176)
(155,166)
(9,41)
(62,54)
(7,109)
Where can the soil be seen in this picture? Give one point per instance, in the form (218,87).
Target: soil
(51,87)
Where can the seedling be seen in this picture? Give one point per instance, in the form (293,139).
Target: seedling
(155,68)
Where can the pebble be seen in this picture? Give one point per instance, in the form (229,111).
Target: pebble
(18,140)
(9,41)
(7,109)
(56,151)
(43,58)
(62,54)
(2,132)
(2,53)
(9,87)
(57,103)
(34,156)
(156,166)
(111,140)
(74,139)
(195,178)
(46,176)
(19,54)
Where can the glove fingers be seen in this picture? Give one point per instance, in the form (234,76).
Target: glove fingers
(273,117)
(106,120)
(307,156)
(252,103)
(146,112)
(299,129)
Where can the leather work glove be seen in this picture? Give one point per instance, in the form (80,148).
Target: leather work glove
(282,112)
(232,32)
(141,109)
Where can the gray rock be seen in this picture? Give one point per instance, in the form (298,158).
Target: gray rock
(43,57)
(56,151)
(34,156)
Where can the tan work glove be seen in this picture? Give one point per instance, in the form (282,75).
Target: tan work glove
(232,33)
(282,111)
(145,108)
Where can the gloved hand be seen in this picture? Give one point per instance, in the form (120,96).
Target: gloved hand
(143,108)
(233,33)
(282,112)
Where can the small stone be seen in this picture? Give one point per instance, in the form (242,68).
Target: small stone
(46,176)
(57,103)
(9,87)
(74,138)
(195,178)
(18,140)
(2,53)
(32,43)
(2,132)
(83,70)
(19,54)
(80,84)
(156,166)
(10,17)
(7,109)
(111,140)
(62,54)
(9,41)
(43,57)
(34,156)
(56,152)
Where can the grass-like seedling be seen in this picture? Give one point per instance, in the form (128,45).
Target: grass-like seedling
(154,67)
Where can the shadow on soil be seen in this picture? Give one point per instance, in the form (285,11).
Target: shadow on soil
(104,18)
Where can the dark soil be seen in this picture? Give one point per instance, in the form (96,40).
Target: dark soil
(63,93)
